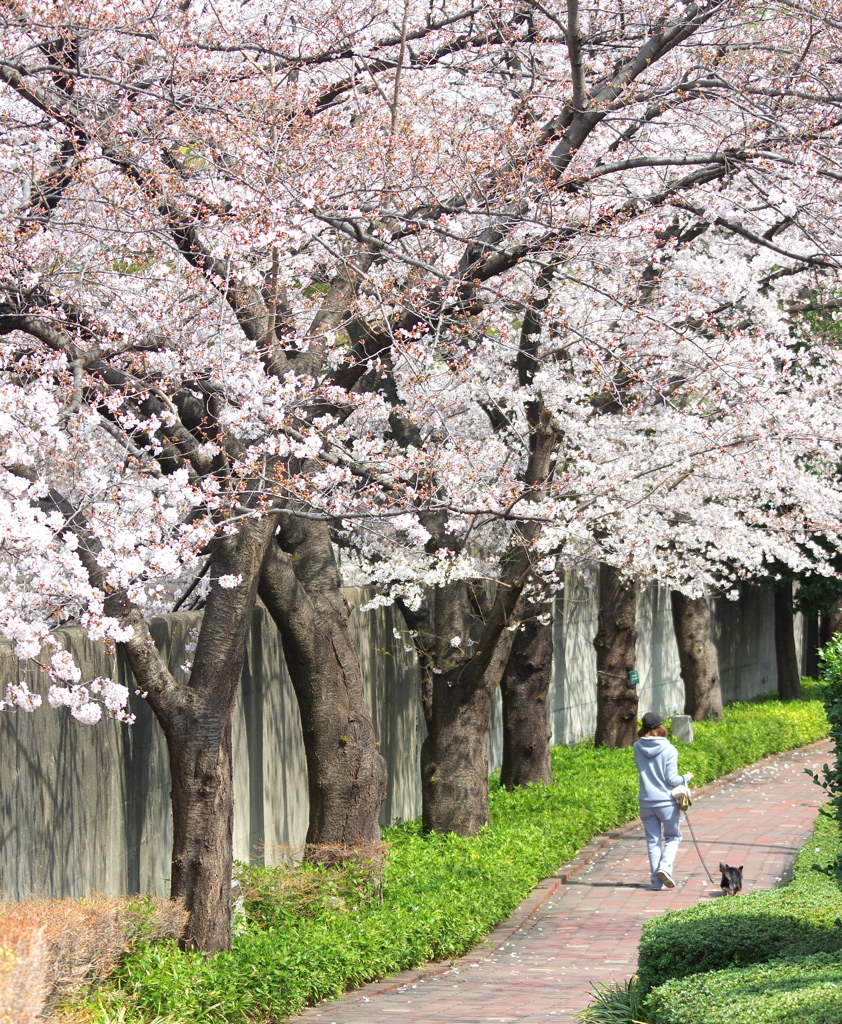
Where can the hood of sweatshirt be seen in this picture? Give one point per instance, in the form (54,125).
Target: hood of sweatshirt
(651,746)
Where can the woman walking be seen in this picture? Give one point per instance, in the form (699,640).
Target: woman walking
(657,763)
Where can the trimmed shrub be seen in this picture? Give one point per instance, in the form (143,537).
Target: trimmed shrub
(831,694)
(807,990)
(793,920)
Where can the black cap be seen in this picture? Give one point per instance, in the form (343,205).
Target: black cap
(651,720)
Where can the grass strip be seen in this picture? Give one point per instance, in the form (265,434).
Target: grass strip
(312,933)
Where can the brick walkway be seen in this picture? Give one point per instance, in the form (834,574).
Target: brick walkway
(583,924)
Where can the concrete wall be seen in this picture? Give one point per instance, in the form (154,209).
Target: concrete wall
(743,631)
(87,809)
(573,706)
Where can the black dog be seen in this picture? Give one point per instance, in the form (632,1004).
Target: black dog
(732,879)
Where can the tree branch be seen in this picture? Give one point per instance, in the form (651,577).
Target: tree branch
(574,52)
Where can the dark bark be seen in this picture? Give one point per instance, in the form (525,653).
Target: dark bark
(456,691)
(458,681)
(346,774)
(454,759)
(525,689)
(196,720)
(199,747)
(786,656)
(698,657)
(616,698)
(829,626)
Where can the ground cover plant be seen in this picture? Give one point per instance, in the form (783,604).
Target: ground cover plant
(311,932)
(805,989)
(782,947)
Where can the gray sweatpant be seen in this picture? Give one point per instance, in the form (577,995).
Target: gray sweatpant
(657,819)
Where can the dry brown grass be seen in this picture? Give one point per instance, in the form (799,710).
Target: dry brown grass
(337,877)
(23,983)
(50,949)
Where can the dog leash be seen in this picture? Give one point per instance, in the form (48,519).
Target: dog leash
(695,843)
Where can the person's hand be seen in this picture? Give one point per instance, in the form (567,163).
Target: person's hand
(688,776)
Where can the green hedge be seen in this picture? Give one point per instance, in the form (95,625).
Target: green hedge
(800,991)
(311,934)
(791,921)
(831,694)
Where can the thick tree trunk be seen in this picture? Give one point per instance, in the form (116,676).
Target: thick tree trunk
(698,657)
(525,689)
(199,746)
(345,772)
(456,691)
(616,698)
(196,719)
(454,759)
(789,677)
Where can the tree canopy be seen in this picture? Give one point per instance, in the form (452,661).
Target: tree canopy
(476,290)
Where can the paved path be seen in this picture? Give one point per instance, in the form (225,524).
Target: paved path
(583,924)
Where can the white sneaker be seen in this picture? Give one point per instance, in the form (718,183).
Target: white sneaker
(666,878)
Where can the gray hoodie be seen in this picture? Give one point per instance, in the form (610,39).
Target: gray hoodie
(657,762)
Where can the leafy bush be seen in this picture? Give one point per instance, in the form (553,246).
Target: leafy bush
(311,933)
(793,920)
(831,695)
(807,990)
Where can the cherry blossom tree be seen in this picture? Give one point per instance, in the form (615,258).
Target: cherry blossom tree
(470,290)
(678,323)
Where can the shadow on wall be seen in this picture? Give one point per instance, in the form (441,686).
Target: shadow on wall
(744,633)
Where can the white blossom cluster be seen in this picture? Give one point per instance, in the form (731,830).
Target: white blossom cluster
(323,265)
(86,702)
(19,697)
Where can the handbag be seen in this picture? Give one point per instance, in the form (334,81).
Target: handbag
(681,795)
